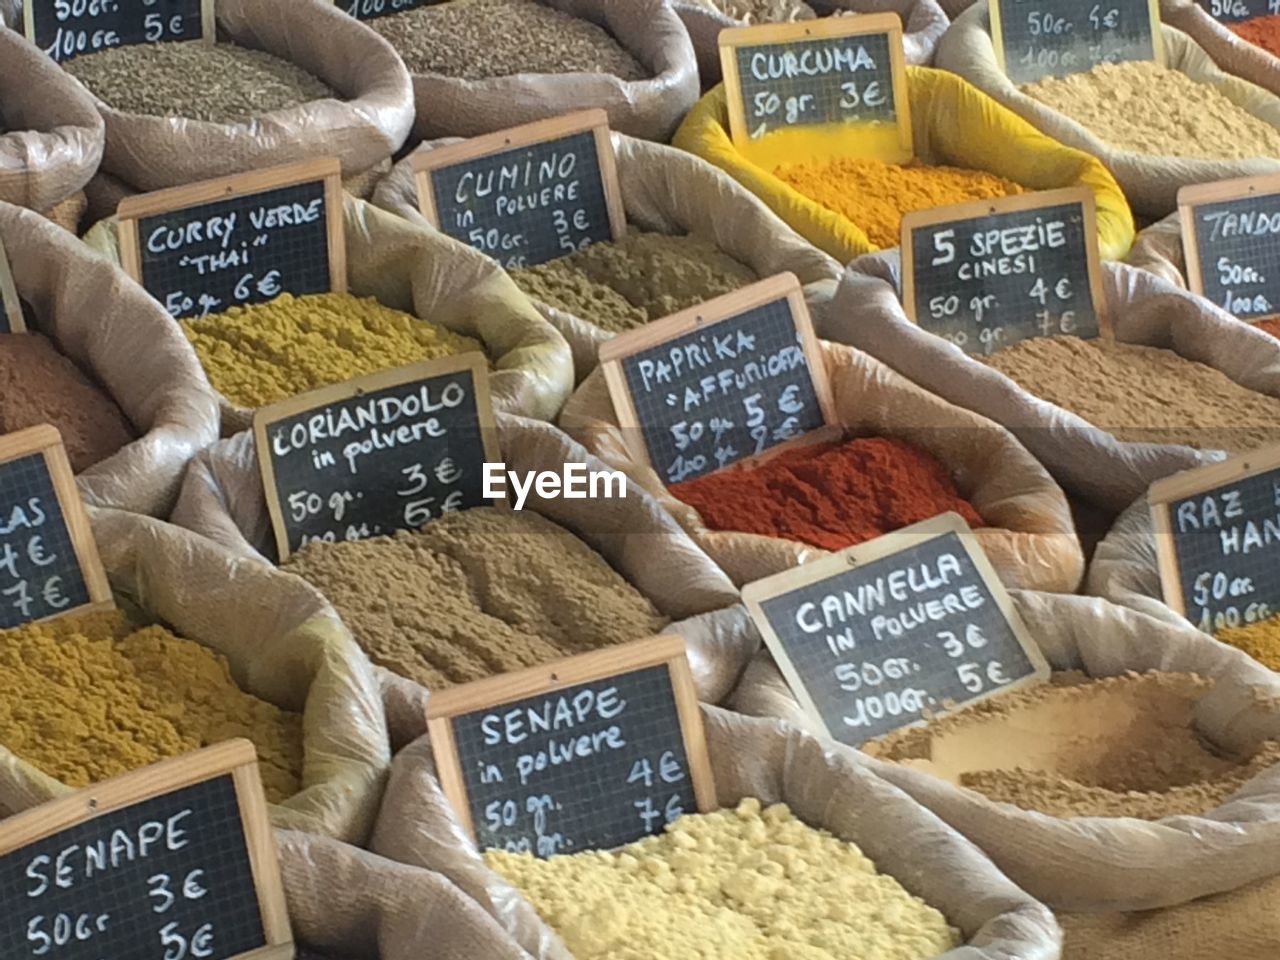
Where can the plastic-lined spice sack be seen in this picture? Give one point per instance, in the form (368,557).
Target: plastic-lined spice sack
(51,136)
(413,294)
(489,590)
(693,234)
(905,456)
(870,873)
(967,147)
(1156,128)
(103,363)
(285,82)
(1247,50)
(923,23)
(1181,381)
(205,646)
(485,65)
(1145,775)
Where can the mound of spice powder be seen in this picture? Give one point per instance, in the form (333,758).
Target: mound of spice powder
(1142,394)
(275,350)
(829,495)
(762,11)
(40,385)
(1123,746)
(92,696)
(1259,640)
(475,593)
(623,284)
(741,884)
(1262,32)
(874,195)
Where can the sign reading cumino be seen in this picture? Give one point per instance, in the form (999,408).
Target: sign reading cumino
(529,194)
(239,240)
(792,86)
(1231,241)
(176,860)
(587,753)
(65,29)
(989,273)
(1217,531)
(1052,38)
(884,635)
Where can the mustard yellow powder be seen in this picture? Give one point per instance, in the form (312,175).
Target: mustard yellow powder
(271,351)
(874,195)
(1259,640)
(90,697)
(741,884)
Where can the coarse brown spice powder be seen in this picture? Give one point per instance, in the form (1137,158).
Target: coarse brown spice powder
(1142,394)
(476,593)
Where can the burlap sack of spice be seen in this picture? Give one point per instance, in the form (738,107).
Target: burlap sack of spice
(667,191)
(650,109)
(51,137)
(125,340)
(952,123)
(350,903)
(827,787)
(1150,183)
(1029,538)
(285,645)
(1109,864)
(362,129)
(1088,462)
(222,498)
(923,24)
(1158,250)
(423,272)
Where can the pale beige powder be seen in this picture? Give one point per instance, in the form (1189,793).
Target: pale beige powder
(1146,108)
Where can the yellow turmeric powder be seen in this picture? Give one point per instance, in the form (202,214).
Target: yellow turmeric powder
(1259,640)
(91,697)
(271,351)
(874,195)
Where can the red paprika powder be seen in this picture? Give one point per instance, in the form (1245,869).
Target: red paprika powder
(1262,32)
(1271,326)
(829,495)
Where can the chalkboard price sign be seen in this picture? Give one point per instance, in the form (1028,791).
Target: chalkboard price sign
(873,638)
(529,194)
(587,753)
(989,273)
(238,240)
(174,860)
(374,9)
(1052,38)
(720,383)
(785,81)
(1238,11)
(1217,534)
(49,564)
(10,306)
(385,452)
(1231,240)
(65,29)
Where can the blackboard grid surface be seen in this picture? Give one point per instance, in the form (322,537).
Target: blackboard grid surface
(1029,55)
(23,479)
(1248,284)
(216,845)
(934,669)
(772,325)
(376,9)
(537,224)
(133,22)
(603,800)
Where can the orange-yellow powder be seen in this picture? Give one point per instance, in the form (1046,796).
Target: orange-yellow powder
(874,195)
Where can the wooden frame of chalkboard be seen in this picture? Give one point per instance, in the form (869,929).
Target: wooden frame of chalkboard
(446,705)
(1189,483)
(45,440)
(208,24)
(1202,194)
(977,209)
(474,363)
(595,121)
(756,594)
(615,351)
(327,169)
(237,758)
(9,302)
(996,21)
(825,28)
